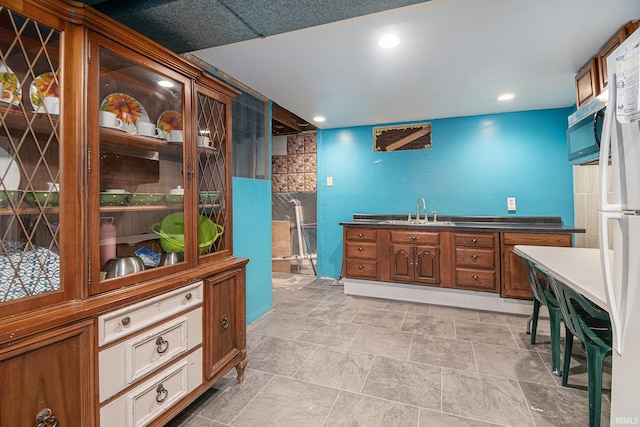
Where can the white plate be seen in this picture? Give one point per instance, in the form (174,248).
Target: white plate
(126,108)
(43,85)
(10,171)
(12,84)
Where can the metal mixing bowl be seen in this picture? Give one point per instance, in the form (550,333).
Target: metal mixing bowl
(117,267)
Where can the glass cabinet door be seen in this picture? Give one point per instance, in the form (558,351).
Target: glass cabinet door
(31,187)
(213,148)
(138,209)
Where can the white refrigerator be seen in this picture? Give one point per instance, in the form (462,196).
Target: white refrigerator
(619,226)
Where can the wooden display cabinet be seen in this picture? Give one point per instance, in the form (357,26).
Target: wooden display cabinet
(63,63)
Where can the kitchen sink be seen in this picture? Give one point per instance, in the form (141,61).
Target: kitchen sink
(418,222)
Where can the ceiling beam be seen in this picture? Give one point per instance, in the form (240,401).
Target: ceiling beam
(280,115)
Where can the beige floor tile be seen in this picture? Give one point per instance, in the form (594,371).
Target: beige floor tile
(412,307)
(385,319)
(485,333)
(513,363)
(334,312)
(296,307)
(281,325)
(454,312)
(280,356)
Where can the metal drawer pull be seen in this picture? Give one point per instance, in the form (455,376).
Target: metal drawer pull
(46,419)
(188,296)
(361,267)
(414,238)
(361,249)
(161,393)
(162,345)
(224,322)
(474,256)
(474,240)
(474,277)
(126,321)
(360,235)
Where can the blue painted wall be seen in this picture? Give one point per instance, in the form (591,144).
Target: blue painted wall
(475,164)
(252,239)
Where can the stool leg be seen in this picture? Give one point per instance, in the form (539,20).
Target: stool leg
(595,360)
(554,318)
(534,318)
(568,347)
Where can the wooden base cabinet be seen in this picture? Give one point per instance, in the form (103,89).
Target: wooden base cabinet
(477,261)
(46,379)
(415,257)
(361,253)
(514,279)
(225,324)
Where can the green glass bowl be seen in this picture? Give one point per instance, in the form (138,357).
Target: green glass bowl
(113,199)
(145,199)
(7,195)
(175,199)
(46,199)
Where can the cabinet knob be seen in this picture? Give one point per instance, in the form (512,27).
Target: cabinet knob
(224,322)
(414,238)
(161,393)
(361,267)
(361,249)
(188,296)
(46,419)
(162,345)
(126,321)
(474,240)
(474,256)
(360,235)
(475,276)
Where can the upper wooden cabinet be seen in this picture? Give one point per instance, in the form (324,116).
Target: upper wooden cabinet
(593,77)
(128,140)
(609,47)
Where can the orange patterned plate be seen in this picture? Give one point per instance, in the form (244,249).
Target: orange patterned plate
(42,86)
(169,120)
(126,108)
(10,82)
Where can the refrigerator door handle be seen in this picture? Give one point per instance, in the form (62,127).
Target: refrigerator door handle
(605,144)
(607,277)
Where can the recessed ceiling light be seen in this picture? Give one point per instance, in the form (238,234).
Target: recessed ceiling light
(506,97)
(165,83)
(318,119)
(388,41)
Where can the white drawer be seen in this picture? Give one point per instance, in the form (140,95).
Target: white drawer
(153,397)
(127,320)
(123,364)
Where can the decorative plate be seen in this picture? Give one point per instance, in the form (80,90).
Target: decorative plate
(9,172)
(126,108)
(44,85)
(11,83)
(169,120)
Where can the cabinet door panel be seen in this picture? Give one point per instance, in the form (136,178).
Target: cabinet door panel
(225,321)
(427,259)
(402,268)
(48,374)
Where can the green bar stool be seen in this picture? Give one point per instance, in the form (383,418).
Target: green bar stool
(544,296)
(592,326)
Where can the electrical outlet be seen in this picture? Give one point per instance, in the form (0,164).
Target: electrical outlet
(329,181)
(511,203)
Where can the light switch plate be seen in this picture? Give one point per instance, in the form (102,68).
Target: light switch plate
(511,203)
(329,181)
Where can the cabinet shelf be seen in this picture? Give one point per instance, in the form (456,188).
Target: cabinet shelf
(120,139)
(14,118)
(29,211)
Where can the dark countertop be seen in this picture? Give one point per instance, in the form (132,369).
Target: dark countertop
(518,224)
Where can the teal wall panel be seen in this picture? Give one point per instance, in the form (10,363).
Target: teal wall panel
(475,164)
(252,239)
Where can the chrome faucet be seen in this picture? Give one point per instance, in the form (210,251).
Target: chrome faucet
(424,206)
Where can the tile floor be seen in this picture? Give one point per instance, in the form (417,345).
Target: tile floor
(322,358)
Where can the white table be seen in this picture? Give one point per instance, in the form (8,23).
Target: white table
(579,268)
